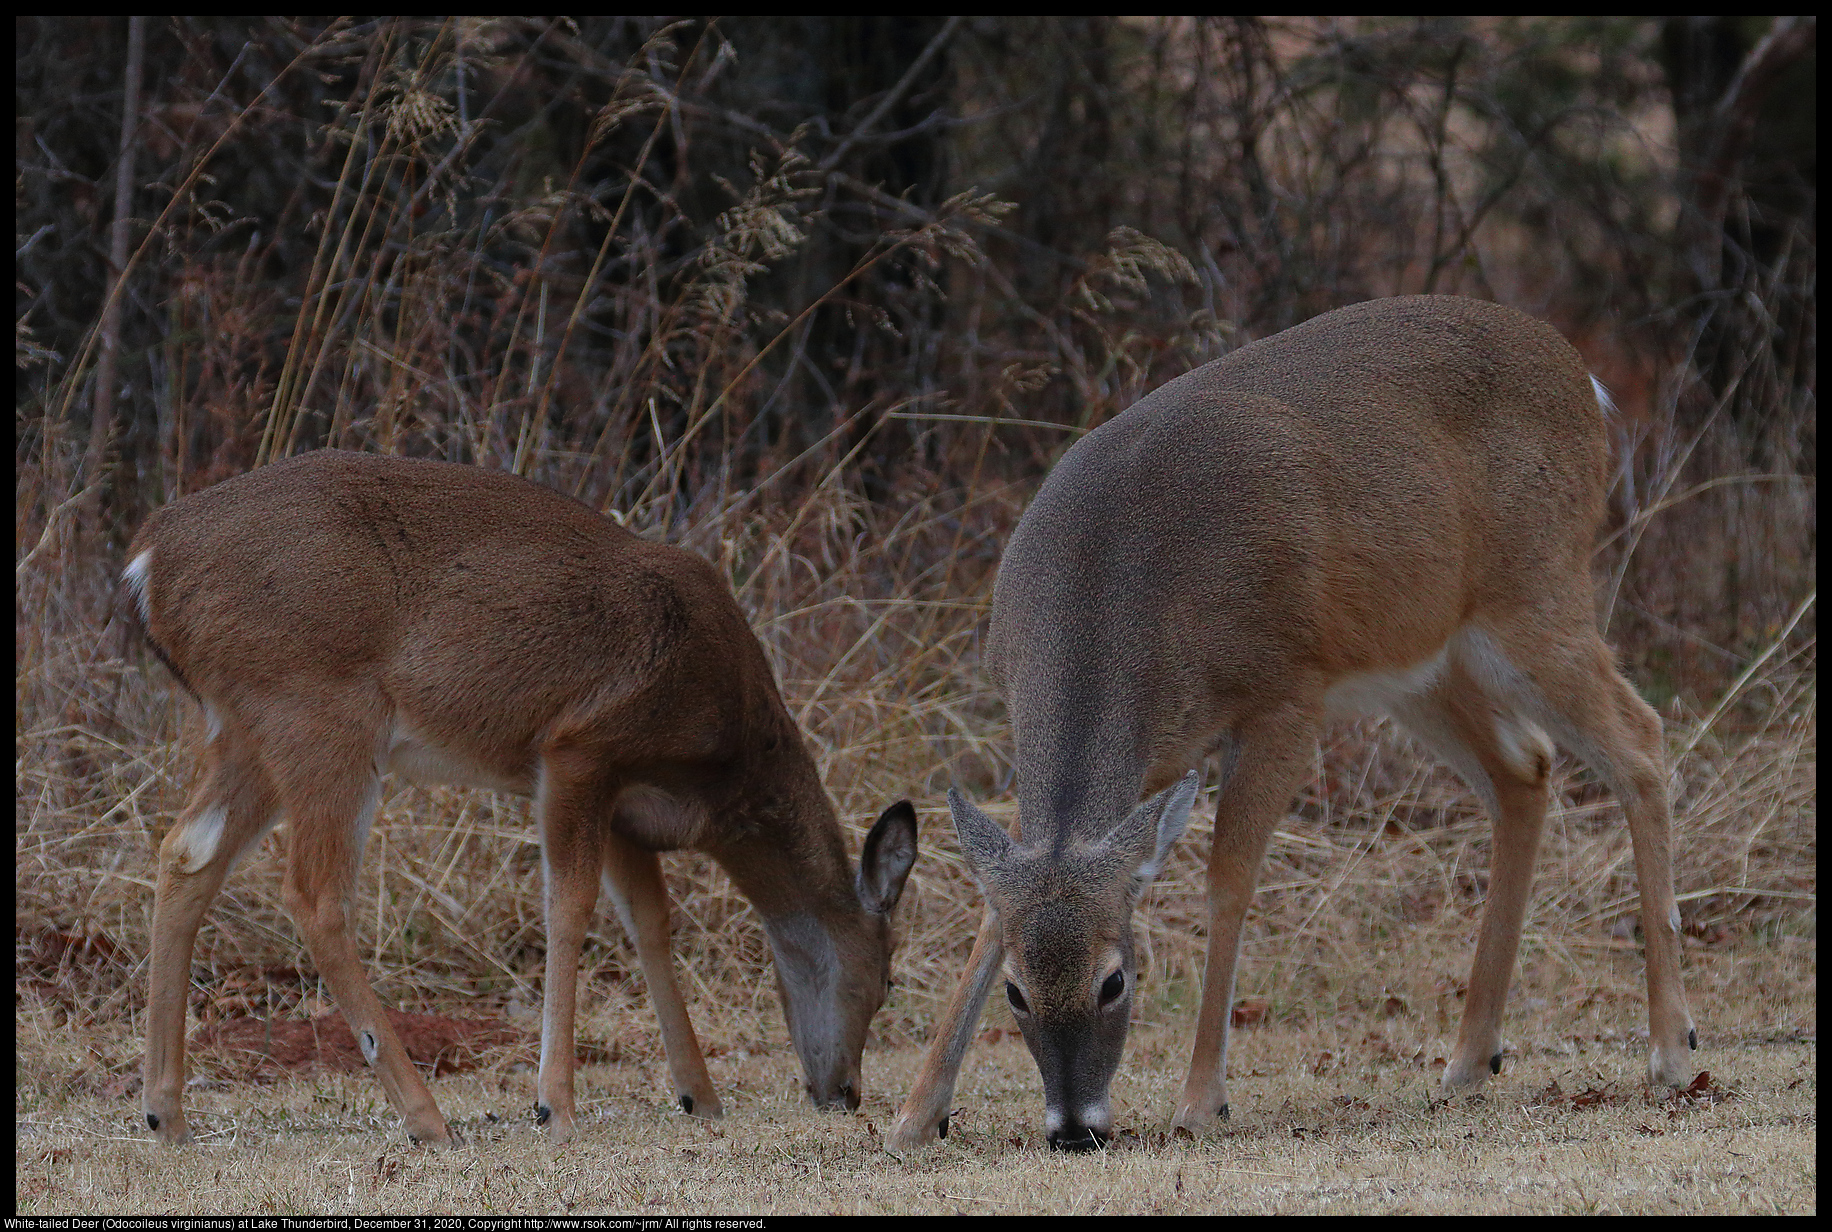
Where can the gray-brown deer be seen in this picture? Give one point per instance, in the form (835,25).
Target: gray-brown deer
(1391,507)
(338,615)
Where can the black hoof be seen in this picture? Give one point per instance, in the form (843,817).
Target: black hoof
(942,1129)
(152,1118)
(1224,1112)
(1692,1038)
(1495,1064)
(687,1104)
(541,1113)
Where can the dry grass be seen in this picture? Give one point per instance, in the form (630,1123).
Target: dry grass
(652,401)
(1357,950)
(1331,1114)
(1381,842)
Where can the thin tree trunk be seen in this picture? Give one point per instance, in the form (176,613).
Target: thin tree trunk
(102,414)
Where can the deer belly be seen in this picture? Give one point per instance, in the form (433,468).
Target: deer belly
(1372,693)
(427,764)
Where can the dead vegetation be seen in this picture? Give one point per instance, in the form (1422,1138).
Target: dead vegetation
(840,443)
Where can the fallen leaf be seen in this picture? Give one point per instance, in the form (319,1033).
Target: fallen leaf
(1249,1013)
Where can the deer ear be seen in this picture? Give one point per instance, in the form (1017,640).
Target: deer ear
(983,840)
(886,859)
(1154,828)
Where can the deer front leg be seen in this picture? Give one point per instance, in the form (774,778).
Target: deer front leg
(1522,799)
(924,1115)
(633,878)
(1270,763)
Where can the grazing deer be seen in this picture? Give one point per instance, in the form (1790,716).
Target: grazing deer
(341,614)
(1390,507)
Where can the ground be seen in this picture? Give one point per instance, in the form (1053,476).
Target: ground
(1333,1115)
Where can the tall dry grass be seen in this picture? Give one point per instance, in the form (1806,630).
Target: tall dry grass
(464,337)
(872,618)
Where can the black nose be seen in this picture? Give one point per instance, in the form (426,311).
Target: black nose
(1077,1138)
(844,1096)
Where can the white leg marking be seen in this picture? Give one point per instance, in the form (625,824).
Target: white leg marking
(550,1037)
(1494,673)
(549,1031)
(1524,746)
(197,841)
(365,819)
(138,576)
(621,904)
(1432,726)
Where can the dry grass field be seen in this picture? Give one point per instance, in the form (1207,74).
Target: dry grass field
(1350,994)
(1332,1114)
(422,275)
(1349,999)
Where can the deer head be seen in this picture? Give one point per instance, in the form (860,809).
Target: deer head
(1070,970)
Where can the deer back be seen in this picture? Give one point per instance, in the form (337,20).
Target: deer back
(488,615)
(1331,501)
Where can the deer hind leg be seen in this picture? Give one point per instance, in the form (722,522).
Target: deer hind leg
(1593,711)
(1478,727)
(633,880)
(924,1115)
(570,805)
(232,807)
(1273,757)
(331,785)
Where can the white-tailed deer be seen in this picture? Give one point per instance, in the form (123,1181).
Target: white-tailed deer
(1390,507)
(337,615)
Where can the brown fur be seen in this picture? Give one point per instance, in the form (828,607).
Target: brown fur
(338,611)
(1391,506)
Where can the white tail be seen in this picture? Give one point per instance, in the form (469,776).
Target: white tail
(1391,507)
(338,615)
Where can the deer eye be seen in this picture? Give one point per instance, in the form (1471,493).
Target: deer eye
(1016,998)
(1112,987)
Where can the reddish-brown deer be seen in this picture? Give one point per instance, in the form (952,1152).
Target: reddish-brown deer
(1391,507)
(339,615)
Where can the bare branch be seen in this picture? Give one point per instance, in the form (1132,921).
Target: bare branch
(896,92)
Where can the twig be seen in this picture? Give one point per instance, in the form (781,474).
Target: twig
(1730,694)
(102,412)
(44,536)
(989,419)
(896,92)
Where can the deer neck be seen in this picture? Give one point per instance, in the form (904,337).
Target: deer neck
(1081,736)
(789,856)
(1075,616)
